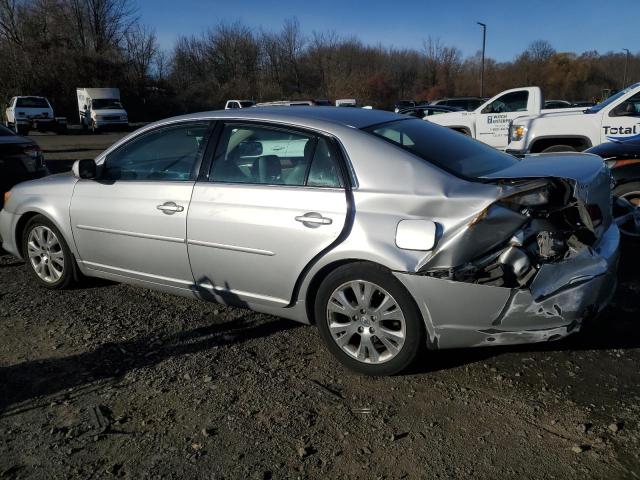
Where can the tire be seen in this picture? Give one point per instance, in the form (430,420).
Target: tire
(404,327)
(559,148)
(57,262)
(631,192)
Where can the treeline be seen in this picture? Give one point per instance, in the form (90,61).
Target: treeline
(50,47)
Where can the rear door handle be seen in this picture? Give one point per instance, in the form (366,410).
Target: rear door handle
(313,220)
(170,208)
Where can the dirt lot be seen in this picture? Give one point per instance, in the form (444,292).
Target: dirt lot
(107,380)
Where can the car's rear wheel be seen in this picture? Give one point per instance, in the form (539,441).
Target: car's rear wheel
(368,320)
(47,254)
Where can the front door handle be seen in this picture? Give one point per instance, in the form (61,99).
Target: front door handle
(170,208)
(313,220)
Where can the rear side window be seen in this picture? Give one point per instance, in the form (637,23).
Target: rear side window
(261,155)
(166,154)
(450,150)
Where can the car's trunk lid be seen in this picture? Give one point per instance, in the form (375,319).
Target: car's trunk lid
(587,174)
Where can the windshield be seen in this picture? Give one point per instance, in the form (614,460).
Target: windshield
(5,132)
(450,150)
(612,98)
(105,103)
(32,102)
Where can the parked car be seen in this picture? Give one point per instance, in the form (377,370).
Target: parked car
(24,114)
(623,158)
(585,103)
(286,103)
(346,102)
(403,105)
(387,232)
(422,111)
(232,104)
(554,104)
(464,103)
(20,160)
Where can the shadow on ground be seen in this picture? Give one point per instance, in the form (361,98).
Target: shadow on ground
(28,380)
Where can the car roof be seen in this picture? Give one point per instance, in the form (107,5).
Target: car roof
(312,117)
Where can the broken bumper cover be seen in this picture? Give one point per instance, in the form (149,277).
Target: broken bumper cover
(561,296)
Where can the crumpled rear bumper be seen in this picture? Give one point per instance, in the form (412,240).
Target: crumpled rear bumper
(560,298)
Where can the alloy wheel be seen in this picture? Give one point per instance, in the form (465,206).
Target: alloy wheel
(45,254)
(366,322)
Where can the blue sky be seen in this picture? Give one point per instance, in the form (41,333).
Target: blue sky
(570,25)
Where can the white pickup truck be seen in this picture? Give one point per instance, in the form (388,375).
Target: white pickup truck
(490,122)
(32,113)
(615,118)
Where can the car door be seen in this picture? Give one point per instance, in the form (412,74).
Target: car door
(132,221)
(492,124)
(622,121)
(258,220)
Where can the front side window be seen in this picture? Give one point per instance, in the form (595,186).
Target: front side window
(628,108)
(509,102)
(167,154)
(261,155)
(445,148)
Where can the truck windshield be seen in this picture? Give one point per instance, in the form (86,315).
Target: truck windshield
(105,103)
(32,102)
(612,99)
(450,150)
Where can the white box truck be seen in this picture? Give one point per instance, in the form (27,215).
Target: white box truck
(100,109)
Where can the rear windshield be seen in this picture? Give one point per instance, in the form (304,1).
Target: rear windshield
(32,102)
(450,150)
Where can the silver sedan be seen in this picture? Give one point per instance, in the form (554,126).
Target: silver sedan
(388,233)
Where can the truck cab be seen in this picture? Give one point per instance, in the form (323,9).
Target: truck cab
(490,122)
(616,118)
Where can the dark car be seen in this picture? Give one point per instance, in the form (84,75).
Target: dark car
(623,158)
(465,103)
(20,160)
(554,104)
(421,111)
(402,104)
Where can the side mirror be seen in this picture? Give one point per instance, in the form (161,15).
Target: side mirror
(85,168)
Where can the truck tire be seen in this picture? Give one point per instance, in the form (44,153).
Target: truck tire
(559,148)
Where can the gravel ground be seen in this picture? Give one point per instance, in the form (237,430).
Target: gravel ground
(109,380)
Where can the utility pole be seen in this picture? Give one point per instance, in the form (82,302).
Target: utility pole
(626,66)
(484,42)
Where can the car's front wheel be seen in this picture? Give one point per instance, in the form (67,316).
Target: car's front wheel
(47,254)
(368,320)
